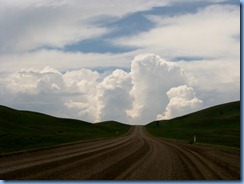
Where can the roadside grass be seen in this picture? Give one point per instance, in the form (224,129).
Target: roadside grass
(24,130)
(218,125)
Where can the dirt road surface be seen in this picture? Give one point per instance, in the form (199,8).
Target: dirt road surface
(136,156)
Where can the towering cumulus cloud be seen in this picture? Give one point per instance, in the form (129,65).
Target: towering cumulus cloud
(152,77)
(153,89)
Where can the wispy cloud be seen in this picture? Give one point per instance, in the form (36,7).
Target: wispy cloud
(33,24)
(207,33)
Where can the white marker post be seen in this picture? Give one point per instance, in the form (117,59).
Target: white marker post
(195,139)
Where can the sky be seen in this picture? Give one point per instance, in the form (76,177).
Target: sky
(130,61)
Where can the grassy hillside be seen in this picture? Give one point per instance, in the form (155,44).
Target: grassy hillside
(218,125)
(23,130)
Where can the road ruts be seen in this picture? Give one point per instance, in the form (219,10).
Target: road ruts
(136,156)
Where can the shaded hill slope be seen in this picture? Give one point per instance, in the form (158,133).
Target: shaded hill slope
(218,125)
(23,130)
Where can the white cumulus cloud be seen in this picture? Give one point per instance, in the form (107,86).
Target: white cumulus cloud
(113,97)
(154,86)
(182,100)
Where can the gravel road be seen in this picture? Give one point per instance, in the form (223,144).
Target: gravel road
(136,156)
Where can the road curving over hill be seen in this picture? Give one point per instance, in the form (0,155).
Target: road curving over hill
(136,156)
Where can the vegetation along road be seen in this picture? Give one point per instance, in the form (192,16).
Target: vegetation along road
(135,156)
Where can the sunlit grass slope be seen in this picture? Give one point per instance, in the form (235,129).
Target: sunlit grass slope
(218,125)
(24,130)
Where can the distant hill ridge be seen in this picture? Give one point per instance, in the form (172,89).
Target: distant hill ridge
(226,109)
(218,125)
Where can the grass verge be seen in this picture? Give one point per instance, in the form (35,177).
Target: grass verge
(24,130)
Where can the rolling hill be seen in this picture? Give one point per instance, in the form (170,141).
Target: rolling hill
(218,125)
(25,130)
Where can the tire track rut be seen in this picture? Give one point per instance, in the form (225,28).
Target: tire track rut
(136,156)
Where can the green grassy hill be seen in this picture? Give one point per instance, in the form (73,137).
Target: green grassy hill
(24,130)
(218,125)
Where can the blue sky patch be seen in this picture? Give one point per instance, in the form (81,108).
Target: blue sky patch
(183,58)
(97,46)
